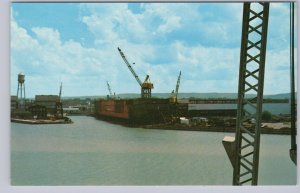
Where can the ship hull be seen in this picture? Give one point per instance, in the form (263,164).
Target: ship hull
(135,111)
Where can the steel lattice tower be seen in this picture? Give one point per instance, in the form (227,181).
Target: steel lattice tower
(251,81)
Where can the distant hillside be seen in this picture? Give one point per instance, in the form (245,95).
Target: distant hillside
(205,95)
(189,95)
(280,96)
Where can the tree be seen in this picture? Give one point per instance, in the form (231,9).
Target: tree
(266,116)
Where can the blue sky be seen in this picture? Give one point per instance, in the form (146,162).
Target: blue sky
(76,43)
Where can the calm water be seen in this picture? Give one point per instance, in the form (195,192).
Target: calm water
(93,152)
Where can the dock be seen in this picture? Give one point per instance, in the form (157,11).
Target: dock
(42,121)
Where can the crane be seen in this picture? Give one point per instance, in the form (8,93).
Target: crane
(175,93)
(146,86)
(60,89)
(177,86)
(59,105)
(110,95)
(109,90)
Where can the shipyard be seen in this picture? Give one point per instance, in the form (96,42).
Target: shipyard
(153,94)
(147,111)
(165,111)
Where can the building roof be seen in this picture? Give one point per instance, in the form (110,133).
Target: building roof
(48,98)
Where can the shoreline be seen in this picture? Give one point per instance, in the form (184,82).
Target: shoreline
(282,131)
(180,127)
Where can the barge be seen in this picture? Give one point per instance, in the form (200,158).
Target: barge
(65,120)
(151,111)
(141,111)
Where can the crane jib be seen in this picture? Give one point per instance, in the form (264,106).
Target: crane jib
(129,66)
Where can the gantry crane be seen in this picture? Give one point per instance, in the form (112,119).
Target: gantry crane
(146,86)
(175,93)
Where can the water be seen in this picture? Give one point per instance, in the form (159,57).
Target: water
(277,108)
(93,152)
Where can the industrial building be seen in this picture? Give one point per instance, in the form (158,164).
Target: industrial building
(48,101)
(13,102)
(212,107)
(47,105)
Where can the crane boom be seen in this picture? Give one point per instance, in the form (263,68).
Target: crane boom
(60,89)
(174,94)
(177,85)
(130,68)
(146,86)
(109,90)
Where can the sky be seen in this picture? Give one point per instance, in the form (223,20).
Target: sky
(76,44)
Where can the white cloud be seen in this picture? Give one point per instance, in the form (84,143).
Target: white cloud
(47,60)
(278,30)
(158,20)
(19,37)
(121,24)
(112,22)
(47,36)
(277,72)
(170,24)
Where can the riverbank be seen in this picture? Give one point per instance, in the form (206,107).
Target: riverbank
(267,128)
(264,130)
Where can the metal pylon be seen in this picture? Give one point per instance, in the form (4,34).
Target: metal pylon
(251,81)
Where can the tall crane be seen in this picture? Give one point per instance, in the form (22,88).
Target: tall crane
(175,93)
(59,105)
(146,86)
(177,85)
(60,89)
(109,90)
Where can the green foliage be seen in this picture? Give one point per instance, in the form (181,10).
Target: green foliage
(266,116)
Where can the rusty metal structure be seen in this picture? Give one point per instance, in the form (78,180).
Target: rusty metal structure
(134,112)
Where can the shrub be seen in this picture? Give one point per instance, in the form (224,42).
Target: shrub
(266,116)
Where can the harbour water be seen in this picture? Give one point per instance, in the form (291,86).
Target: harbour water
(93,152)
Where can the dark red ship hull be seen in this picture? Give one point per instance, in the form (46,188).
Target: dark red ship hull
(135,111)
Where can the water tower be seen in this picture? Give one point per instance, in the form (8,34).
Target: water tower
(21,89)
